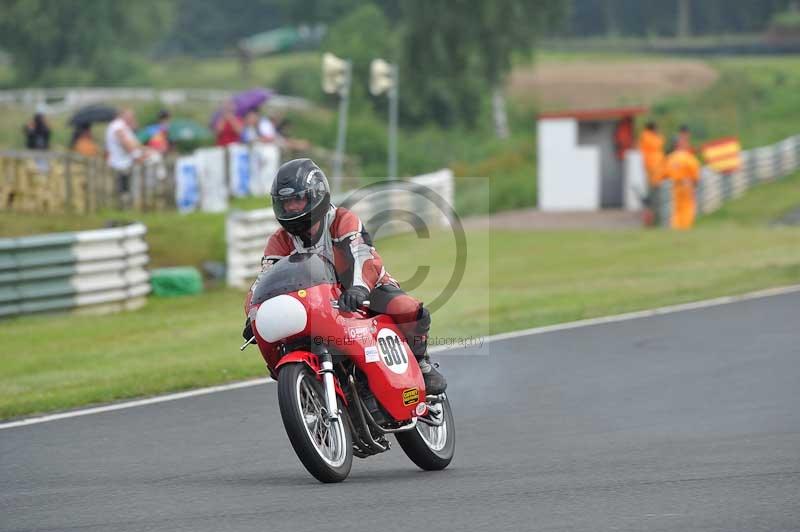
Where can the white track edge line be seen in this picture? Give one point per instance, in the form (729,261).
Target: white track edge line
(135,403)
(494,338)
(648,313)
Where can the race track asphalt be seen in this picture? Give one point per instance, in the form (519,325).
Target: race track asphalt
(680,422)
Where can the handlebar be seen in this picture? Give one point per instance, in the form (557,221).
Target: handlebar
(363,308)
(250,341)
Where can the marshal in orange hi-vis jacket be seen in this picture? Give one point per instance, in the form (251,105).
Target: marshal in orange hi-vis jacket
(651,144)
(683,170)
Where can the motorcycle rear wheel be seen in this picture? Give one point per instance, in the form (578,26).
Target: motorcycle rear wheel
(324,446)
(431,448)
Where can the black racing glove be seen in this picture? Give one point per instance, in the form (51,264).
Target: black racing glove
(352,298)
(247,333)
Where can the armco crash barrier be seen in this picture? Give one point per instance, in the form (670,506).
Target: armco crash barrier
(758,165)
(384,208)
(101,271)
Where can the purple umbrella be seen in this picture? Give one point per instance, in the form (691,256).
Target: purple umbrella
(249,100)
(244,102)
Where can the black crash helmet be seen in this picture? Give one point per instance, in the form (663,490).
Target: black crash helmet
(296,180)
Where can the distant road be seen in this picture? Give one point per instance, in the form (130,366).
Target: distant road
(681,422)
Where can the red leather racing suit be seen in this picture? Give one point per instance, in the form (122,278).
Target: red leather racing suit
(347,244)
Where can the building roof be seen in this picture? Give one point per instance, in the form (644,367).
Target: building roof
(596,115)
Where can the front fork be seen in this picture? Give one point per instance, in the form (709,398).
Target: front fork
(326,361)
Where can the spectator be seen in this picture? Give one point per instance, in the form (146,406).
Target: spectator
(683,169)
(228,126)
(37,133)
(258,128)
(685,138)
(282,126)
(83,142)
(123,149)
(159,141)
(623,137)
(651,145)
(683,134)
(281,123)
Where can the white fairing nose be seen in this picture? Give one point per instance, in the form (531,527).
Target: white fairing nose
(280,317)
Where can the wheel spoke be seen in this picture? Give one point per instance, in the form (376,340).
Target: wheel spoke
(435,437)
(326,435)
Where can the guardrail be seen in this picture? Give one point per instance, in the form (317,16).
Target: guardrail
(385,208)
(758,165)
(64,99)
(97,271)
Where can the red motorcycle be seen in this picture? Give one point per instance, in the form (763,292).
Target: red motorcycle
(346,380)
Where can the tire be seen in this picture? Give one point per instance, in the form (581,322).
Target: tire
(326,451)
(428,453)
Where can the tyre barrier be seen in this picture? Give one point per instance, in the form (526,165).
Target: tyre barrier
(94,271)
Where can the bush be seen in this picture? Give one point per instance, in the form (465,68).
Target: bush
(787,20)
(64,76)
(511,173)
(121,68)
(300,80)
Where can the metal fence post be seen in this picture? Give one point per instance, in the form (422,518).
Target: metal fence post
(68,183)
(700,195)
(665,207)
(654,198)
(727,186)
(796,140)
(750,168)
(110,179)
(91,200)
(139,187)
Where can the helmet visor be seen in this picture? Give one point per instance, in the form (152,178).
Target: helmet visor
(291,205)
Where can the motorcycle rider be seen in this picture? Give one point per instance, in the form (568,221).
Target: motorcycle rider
(309,222)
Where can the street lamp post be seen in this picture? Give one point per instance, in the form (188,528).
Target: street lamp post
(384,78)
(336,79)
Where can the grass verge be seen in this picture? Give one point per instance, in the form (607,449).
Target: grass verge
(512,280)
(762,205)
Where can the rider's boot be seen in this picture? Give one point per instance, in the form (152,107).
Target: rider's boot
(435,382)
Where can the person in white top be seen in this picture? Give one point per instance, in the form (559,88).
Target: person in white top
(124,149)
(258,128)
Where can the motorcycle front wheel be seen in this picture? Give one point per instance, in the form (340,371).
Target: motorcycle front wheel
(431,447)
(323,445)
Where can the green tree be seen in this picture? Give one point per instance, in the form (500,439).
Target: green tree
(505,27)
(438,72)
(70,41)
(671,17)
(209,26)
(455,51)
(324,11)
